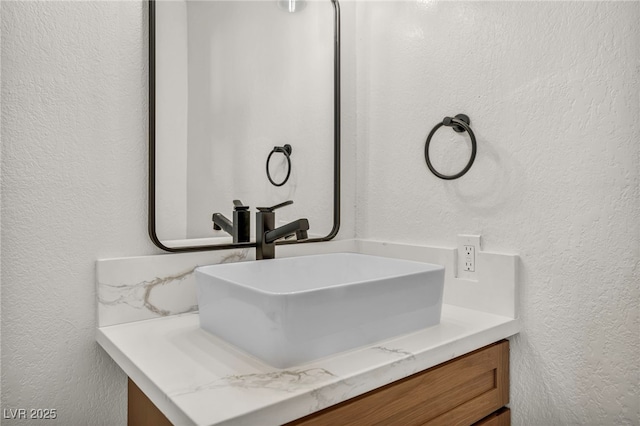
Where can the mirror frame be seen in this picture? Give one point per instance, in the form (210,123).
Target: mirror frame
(152,145)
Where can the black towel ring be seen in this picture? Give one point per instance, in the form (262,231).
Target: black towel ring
(460,123)
(286,150)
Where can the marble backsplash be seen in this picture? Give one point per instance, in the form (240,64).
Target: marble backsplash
(147,287)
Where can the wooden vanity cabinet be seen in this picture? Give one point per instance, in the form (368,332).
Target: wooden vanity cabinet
(463,391)
(469,390)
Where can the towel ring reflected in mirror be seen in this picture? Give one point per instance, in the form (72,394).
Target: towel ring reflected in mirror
(286,151)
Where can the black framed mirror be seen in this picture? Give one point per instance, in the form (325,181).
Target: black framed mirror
(244,104)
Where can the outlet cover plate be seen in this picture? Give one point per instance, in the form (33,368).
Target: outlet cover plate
(467,266)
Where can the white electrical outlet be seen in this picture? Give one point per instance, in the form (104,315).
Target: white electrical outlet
(468,248)
(469,254)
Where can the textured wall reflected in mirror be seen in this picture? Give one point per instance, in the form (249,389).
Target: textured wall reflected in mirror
(229,81)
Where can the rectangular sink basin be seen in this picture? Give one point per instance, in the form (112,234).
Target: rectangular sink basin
(290,311)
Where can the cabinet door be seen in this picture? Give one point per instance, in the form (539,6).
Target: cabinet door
(141,411)
(459,392)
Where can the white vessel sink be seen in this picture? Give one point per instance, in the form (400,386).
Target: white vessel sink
(290,311)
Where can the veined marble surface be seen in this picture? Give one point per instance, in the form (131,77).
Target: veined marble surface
(148,324)
(138,288)
(195,378)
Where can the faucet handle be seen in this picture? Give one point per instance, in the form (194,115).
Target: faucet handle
(277,206)
(239,206)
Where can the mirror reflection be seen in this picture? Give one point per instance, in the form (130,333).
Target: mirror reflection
(244,115)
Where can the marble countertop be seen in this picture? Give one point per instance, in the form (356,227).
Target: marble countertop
(194,378)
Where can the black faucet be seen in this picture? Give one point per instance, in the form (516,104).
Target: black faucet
(267,233)
(239,229)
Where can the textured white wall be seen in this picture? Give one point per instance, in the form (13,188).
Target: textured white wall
(74,90)
(553,94)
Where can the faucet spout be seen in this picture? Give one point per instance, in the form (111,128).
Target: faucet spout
(298,227)
(220,222)
(239,228)
(267,233)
